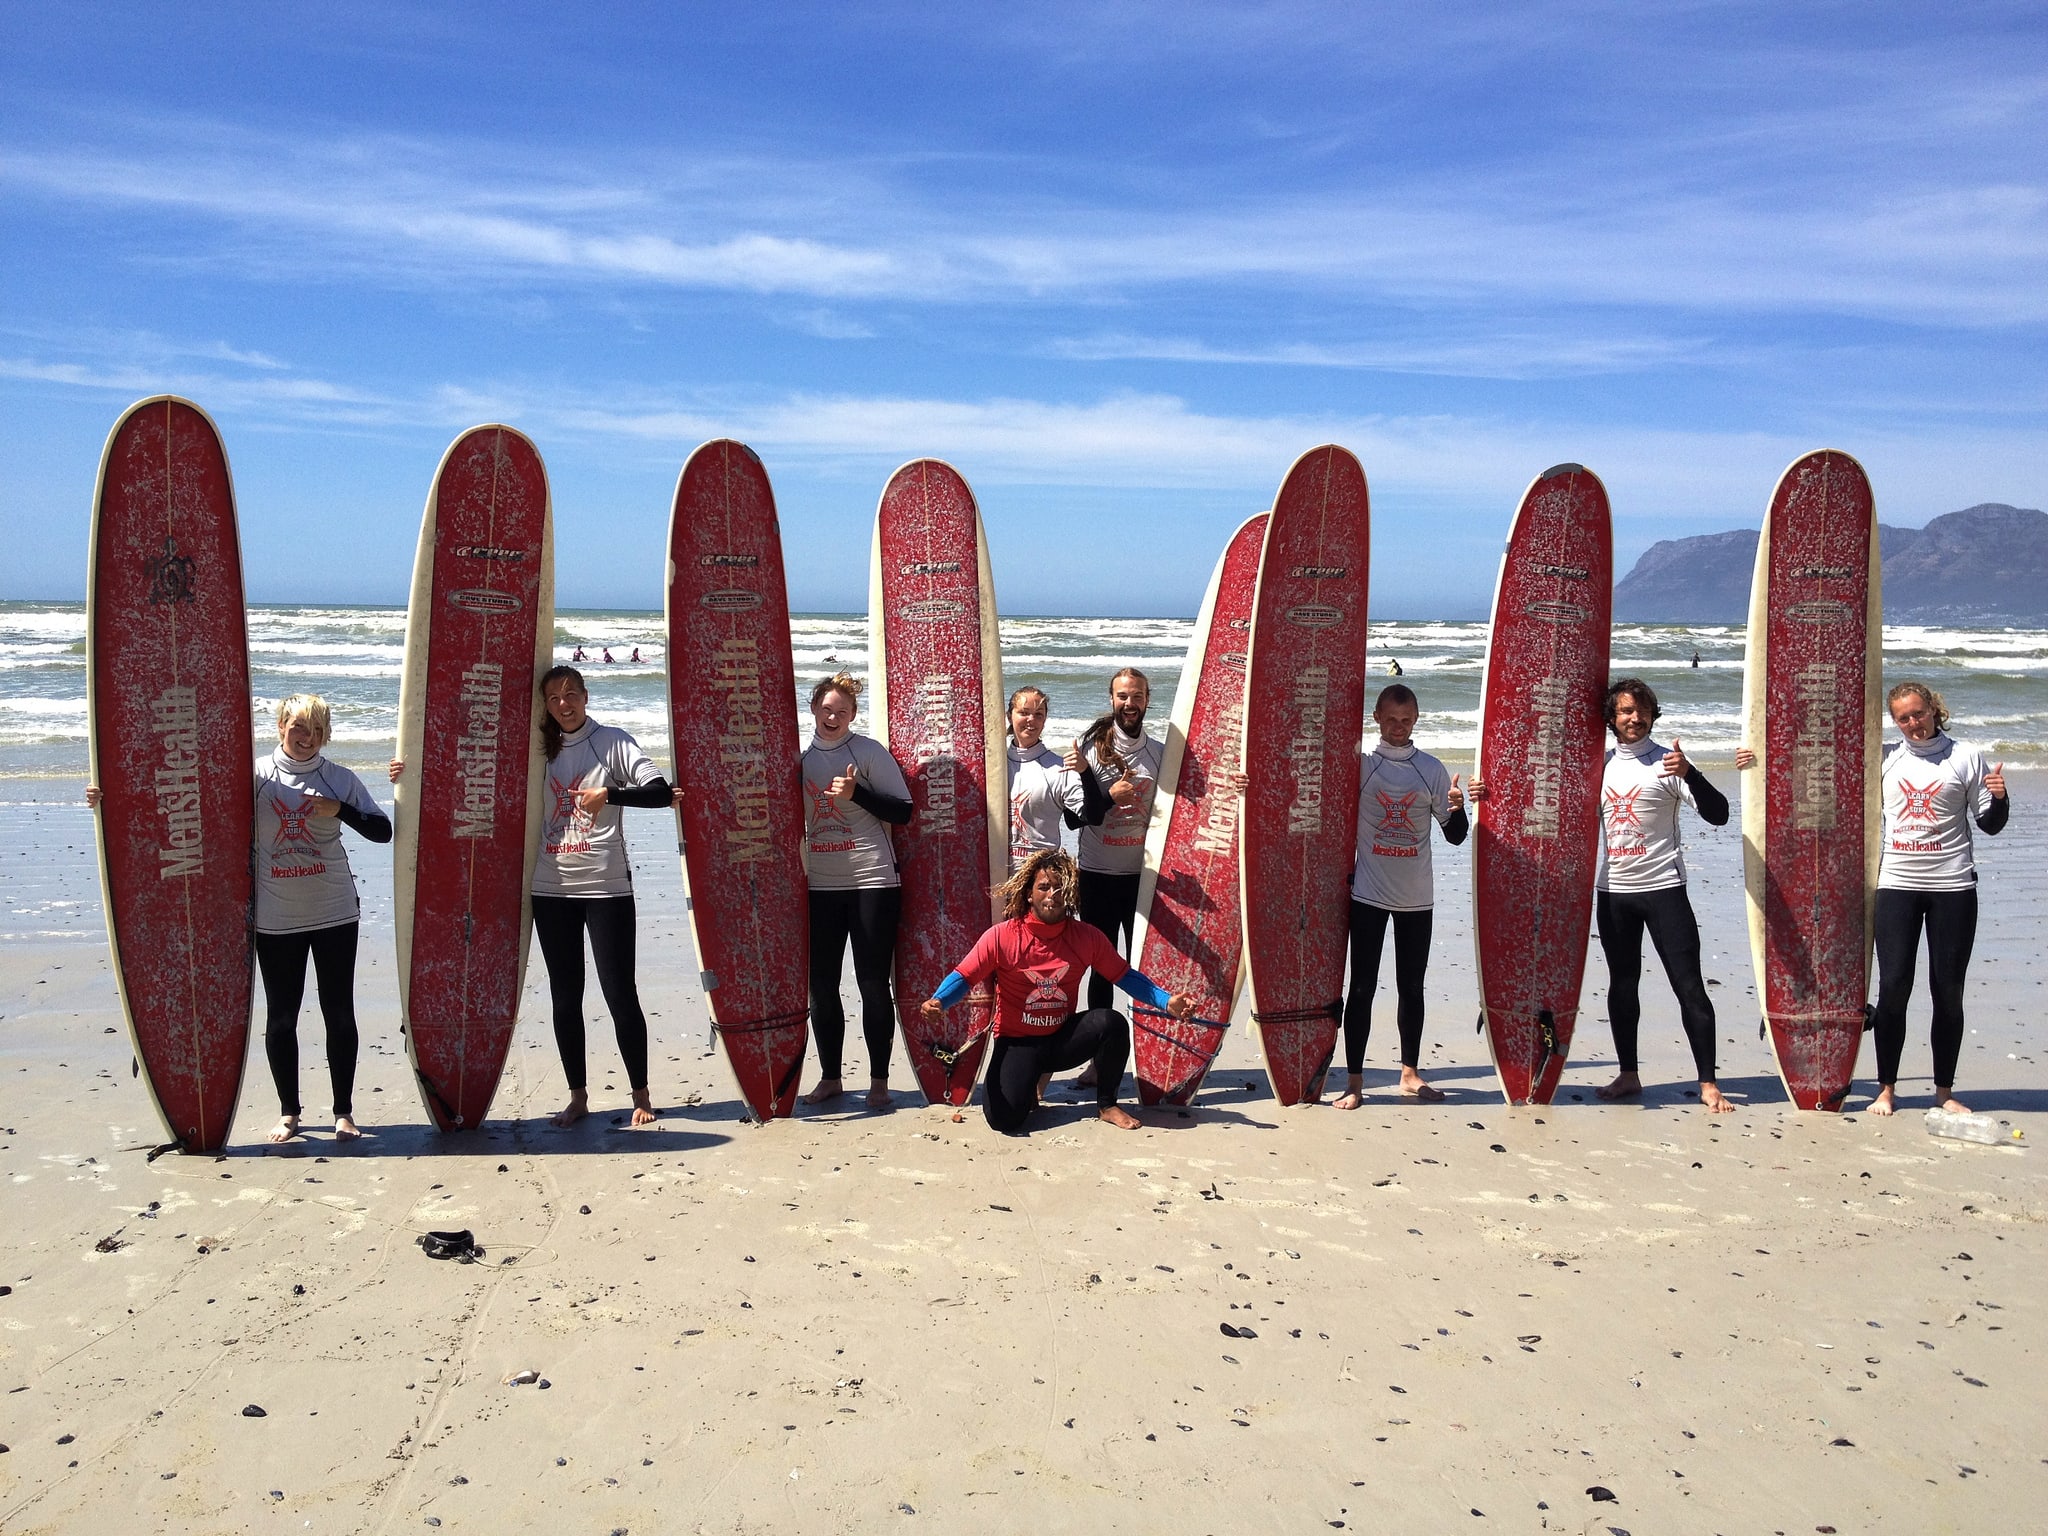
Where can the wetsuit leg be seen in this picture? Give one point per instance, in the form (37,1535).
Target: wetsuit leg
(875,915)
(1897,931)
(1010,1090)
(282,958)
(1676,933)
(1621,941)
(1368,939)
(558,925)
(831,922)
(334,968)
(612,924)
(1951,935)
(1411,963)
(1110,902)
(1101,1036)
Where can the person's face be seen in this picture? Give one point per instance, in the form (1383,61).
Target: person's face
(1396,723)
(833,713)
(566,704)
(1631,720)
(1128,700)
(1913,714)
(298,738)
(1027,719)
(1048,901)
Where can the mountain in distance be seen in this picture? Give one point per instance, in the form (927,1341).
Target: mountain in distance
(1986,564)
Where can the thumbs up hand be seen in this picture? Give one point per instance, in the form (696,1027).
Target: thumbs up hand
(1995,782)
(1456,798)
(842,787)
(1675,763)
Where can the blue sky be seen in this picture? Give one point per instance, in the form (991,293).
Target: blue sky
(1120,263)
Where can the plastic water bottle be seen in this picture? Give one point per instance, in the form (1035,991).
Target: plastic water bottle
(1973,1127)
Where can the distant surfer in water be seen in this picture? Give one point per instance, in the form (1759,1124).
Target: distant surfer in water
(1047,791)
(578,655)
(853,794)
(1402,792)
(635,657)
(306,905)
(583,881)
(1934,788)
(1036,956)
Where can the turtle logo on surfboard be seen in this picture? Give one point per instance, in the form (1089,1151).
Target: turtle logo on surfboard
(170,576)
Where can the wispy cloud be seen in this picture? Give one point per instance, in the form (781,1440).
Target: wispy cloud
(1508,354)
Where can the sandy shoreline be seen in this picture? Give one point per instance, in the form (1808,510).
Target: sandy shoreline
(865,1321)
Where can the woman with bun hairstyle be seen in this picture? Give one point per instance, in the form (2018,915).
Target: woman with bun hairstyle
(853,794)
(583,881)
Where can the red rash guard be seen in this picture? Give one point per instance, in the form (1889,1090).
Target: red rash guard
(1037,967)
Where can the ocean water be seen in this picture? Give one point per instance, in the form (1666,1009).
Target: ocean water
(1995,680)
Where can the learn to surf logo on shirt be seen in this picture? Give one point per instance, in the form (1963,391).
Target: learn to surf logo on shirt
(566,813)
(1624,821)
(1395,837)
(294,832)
(1918,805)
(1047,998)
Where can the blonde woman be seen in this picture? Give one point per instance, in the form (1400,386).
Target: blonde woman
(306,904)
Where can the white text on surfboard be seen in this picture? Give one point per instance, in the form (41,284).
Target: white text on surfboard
(175,717)
(1312,698)
(1547,702)
(476,749)
(1218,832)
(736,673)
(1813,750)
(935,757)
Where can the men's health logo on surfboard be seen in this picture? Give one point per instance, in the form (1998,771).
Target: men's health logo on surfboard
(174,715)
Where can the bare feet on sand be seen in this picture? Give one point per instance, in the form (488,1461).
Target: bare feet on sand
(878,1093)
(1350,1098)
(577,1107)
(1714,1102)
(1626,1085)
(828,1089)
(1886,1102)
(1413,1087)
(1950,1102)
(345,1129)
(643,1108)
(286,1128)
(1118,1116)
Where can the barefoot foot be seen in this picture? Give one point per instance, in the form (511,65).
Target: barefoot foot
(1118,1116)
(1950,1102)
(1886,1102)
(286,1128)
(644,1112)
(1350,1098)
(878,1093)
(577,1107)
(1714,1101)
(1413,1087)
(827,1090)
(346,1129)
(1626,1085)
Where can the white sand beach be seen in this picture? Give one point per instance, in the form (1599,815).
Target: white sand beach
(1447,1317)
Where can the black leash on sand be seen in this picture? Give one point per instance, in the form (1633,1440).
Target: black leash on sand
(762,1026)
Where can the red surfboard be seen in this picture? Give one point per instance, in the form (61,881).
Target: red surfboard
(480,631)
(173,755)
(731,683)
(1304,715)
(1810,820)
(1541,740)
(1190,933)
(939,710)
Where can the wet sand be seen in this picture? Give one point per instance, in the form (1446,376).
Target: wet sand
(1455,1316)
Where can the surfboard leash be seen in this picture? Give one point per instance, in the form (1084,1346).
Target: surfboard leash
(1329,1010)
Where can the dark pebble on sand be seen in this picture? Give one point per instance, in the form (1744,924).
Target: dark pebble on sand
(252,1411)
(6,1290)
(999,1207)
(1497,1147)
(433,1519)
(582,1210)
(1601,1495)
(1402,1390)
(503,1169)
(277,1493)
(1246,1333)
(458,1481)
(66,1439)
(543,1384)
(561,1461)
(1229,1330)
(298,1290)
(1846,1444)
